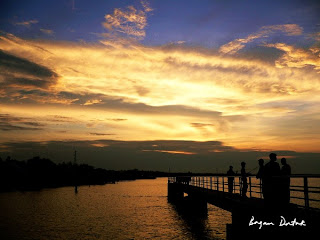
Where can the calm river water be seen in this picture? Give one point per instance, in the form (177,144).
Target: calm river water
(126,210)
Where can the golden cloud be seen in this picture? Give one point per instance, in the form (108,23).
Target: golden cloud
(166,92)
(236,45)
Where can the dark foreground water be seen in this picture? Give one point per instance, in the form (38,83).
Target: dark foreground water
(127,210)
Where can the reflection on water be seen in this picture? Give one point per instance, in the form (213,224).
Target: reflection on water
(212,226)
(127,210)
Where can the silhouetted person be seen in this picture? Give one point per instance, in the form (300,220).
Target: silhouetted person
(285,182)
(244,180)
(230,179)
(271,181)
(260,174)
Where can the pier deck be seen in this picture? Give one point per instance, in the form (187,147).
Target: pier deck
(193,194)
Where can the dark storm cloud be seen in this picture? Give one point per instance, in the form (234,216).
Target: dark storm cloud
(170,145)
(210,156)
(11,63)
(137,146)
(101,134)
(10,127)
(20,72)
(35,124)
(12,123)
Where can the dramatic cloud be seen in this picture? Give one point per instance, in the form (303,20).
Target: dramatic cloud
(169,92)
(298,58)
(236,45)
(184,87)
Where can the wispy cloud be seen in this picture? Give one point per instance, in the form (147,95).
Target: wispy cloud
(60,119)
(289,29)
(26,23)
(146,6)
(236,45)
(171,152)
(92,101)
(316,36)
(117,119)
(130,21)
(100,134)
(201,125)
(13,123)
(47,31)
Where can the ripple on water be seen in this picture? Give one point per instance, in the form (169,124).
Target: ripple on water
(127,210)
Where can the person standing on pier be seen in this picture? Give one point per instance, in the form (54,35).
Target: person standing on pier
(260,174)
(230,179)
(285,182)
(244,180)
(271,181)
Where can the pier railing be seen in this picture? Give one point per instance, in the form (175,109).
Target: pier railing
(304,189)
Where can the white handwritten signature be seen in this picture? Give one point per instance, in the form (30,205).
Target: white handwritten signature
(283,222)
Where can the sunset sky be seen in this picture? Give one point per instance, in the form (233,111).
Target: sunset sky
(138,84)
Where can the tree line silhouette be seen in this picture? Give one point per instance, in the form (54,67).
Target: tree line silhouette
(37,173)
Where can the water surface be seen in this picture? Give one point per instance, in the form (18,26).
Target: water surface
(126,210)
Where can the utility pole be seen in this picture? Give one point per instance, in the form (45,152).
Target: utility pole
(75,173)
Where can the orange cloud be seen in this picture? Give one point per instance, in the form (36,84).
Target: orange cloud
(297,58)
(171,152)
(165,93)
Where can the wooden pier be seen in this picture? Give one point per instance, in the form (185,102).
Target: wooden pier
(194,193)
